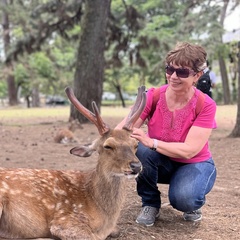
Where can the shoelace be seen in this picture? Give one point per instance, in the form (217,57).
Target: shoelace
(193,212)
(148,210)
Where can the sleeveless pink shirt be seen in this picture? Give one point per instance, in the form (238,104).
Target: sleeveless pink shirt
(174,126)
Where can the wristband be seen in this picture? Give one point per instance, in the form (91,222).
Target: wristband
(155,144)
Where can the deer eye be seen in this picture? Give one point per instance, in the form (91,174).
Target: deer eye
(107,147)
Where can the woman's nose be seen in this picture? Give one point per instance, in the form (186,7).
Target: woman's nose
(174,75)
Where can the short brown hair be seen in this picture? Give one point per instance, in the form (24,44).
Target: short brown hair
(188,55)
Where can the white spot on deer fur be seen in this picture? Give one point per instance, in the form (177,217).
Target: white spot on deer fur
(61,211)
(15,192)
(50,206)
(47,204)
(67,201)
(3,190)
(58,206)
(28,194)
(58,191)
(5,185)
(76,208)
(16,178)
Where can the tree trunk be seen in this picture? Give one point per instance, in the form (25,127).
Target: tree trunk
(88,79)
(12,90)
(119,91)
(236,130)
(222,65)
(225,81)
(35,96)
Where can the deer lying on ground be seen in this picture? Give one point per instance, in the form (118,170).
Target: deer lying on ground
(66,135)
(68,205)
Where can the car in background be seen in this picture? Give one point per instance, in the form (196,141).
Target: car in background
(109,96)
(56,100)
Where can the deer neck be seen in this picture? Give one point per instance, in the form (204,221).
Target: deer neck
(109,191)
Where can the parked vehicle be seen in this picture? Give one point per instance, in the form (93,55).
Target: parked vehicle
(56,100)
(108,96)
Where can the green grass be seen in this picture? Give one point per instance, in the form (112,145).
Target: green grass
(223,112)
(10,113)
(21,113)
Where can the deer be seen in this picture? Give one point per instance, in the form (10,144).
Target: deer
(66,135)
(74,204)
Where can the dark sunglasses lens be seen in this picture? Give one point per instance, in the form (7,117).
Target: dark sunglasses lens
(170,70)
(182,73)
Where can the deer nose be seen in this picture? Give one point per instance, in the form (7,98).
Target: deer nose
(136,167)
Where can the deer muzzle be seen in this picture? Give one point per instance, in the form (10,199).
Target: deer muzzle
(136,167)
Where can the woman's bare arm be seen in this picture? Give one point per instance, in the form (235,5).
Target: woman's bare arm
(195,141)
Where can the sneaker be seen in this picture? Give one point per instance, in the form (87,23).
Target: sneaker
(193,216)
(148,216)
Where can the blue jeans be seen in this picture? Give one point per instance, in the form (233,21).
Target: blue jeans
(188,182)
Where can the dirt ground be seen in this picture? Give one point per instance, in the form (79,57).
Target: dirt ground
(29,143)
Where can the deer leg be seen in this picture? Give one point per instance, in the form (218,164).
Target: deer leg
(71,233)
(69,228)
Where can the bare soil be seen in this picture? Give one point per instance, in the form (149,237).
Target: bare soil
(30,144)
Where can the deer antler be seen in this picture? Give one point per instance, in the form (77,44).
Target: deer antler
(136,109)
(92,117)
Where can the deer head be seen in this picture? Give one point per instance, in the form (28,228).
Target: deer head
(112,141)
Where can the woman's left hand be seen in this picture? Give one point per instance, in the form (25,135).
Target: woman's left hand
(141,136)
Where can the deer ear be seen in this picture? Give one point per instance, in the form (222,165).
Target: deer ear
(82,151)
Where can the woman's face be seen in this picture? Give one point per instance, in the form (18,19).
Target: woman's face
(181,79)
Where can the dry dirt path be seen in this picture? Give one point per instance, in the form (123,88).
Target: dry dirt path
(29,143)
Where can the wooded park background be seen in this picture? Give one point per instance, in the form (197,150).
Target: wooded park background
(98,46)
(104,45)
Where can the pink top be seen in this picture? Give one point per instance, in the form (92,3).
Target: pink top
(174,126)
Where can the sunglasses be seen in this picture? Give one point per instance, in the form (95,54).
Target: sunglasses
(180,72)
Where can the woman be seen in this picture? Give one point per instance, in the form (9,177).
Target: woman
(175,150)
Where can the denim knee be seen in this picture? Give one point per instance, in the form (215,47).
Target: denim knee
(190,184)
(186,201)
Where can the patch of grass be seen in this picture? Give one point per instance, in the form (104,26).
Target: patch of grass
(226,112)
(114,111)
(13,113)
(223,112)
(51,112)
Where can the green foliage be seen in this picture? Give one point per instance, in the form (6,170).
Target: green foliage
(41,65)
(139,36)
(20,73)
(3,89)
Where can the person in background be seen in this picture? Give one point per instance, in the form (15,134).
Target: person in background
(175,149)
(207,81)
(213,79)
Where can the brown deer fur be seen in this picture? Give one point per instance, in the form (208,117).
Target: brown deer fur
(65,205)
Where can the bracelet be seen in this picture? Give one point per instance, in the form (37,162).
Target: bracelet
(155,144)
